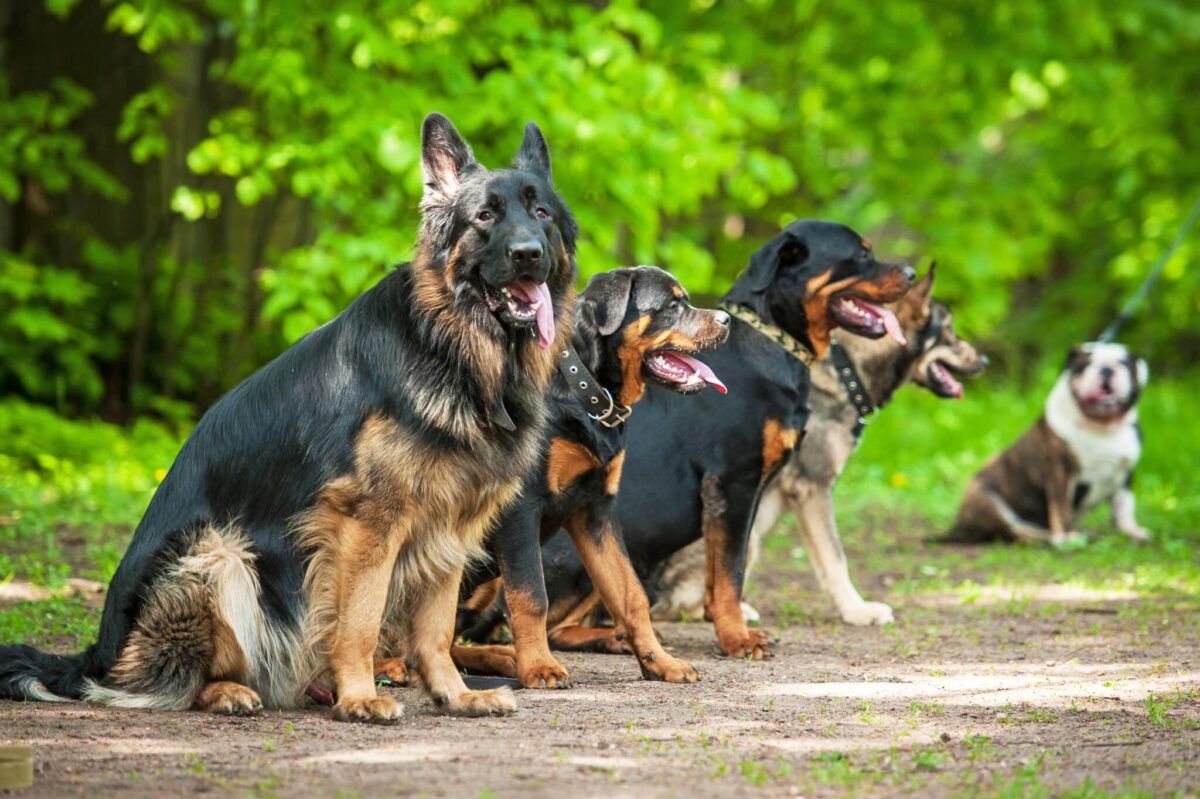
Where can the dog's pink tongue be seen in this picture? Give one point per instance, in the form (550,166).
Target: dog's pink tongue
(545,316)
(702,371)
(532,292)
(891,324)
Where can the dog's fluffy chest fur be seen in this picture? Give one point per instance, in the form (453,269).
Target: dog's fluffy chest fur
(1105,454)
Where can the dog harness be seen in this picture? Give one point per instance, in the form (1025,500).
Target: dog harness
(856,392)
(598,402)
(781,337)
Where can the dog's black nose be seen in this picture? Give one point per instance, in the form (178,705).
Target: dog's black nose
(722,318)
(909,273)
(525,252)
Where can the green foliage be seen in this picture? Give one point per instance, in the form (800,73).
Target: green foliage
(259,164)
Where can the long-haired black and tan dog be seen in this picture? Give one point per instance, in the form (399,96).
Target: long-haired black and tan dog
(847,388)
(634,327)
(344,485)
(694,466)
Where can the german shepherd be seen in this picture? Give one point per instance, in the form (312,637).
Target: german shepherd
(872,370)
(633,327)
(344,486)
(695,466)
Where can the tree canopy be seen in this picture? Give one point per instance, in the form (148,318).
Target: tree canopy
(186,187)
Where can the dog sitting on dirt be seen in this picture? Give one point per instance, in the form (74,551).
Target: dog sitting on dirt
(857,379)
(634,328)
(694,466)
(1080,453)
(344,486)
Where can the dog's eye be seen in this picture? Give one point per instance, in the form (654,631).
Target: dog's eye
(485,215)
(541,213)
(675,305)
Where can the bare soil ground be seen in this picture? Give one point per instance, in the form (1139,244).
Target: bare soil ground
(1030,694)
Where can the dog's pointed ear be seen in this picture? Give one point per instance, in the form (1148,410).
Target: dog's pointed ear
(922,290)
(534,155)
(777,253)
(607,296)
(445,156)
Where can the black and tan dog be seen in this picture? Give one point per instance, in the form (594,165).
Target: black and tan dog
(695,466)
(634,327)
(344,485)
(858,379)
(1080,453)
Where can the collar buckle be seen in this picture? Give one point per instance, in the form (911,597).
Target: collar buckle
(614,415)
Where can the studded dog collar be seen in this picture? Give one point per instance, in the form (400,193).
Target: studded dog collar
(856,392)
(780,337)
(597,400)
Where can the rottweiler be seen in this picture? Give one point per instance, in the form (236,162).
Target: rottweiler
(694,466)
(1079,454)
(343,487)
(857,380)
(634,327)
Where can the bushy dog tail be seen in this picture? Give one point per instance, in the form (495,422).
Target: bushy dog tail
(27,673)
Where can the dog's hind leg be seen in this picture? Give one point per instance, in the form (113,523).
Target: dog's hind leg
(189,645)
(493,660)
(813,506)
(428,635)
(228,698)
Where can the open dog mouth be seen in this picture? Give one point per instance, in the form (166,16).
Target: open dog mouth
(864,318)
(524,303)
(944,383)
(681,371)
(1101,405)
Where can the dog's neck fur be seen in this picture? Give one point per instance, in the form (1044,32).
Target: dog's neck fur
(762,303)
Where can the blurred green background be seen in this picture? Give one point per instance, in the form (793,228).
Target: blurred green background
(188,186)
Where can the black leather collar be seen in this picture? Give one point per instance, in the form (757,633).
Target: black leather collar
(856,392)
(597,401)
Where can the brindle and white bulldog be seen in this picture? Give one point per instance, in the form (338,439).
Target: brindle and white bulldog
(932,357)
(1080,452)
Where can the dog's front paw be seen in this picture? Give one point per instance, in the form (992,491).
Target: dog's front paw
(864,614)
(1071,540)
(1137,533)
(373,710)
(496,702)
(667,669)
(752,645)
(544,674)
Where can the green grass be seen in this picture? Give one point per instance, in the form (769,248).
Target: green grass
(919,454)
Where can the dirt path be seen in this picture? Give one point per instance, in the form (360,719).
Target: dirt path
(1019,694)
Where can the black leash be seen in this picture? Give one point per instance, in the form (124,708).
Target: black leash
(597,401)
(1139,296)
(856,392)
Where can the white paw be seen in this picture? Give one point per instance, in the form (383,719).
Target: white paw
(865,614)
(1072,540)
(1137,533)
(752,615)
